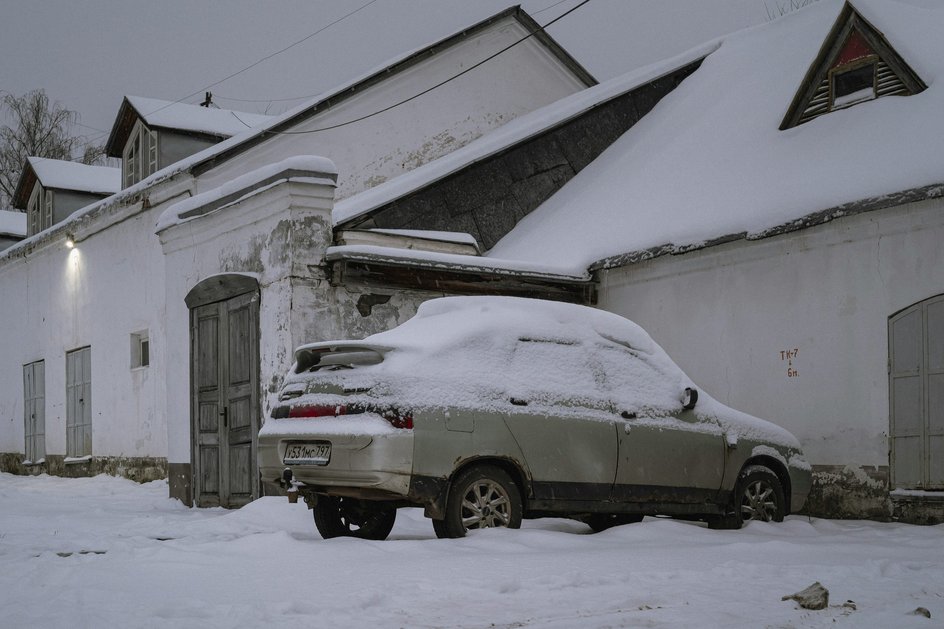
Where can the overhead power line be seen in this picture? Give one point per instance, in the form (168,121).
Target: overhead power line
(303,97)
(266,58)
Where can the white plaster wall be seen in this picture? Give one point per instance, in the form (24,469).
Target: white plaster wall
(270,235)
(520,80)
(728,314)
(97,294)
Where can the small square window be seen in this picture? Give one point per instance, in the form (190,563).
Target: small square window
(140,350)
(853,86)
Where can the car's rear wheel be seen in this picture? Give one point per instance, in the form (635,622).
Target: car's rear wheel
(602,521)
(480,497)
(350,517)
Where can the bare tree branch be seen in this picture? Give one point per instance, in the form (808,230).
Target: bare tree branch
(38,128)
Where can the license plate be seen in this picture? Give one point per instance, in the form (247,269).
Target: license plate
(317,453)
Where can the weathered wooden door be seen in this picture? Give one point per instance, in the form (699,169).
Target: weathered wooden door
(34,411)
(79,402)
(916,392)
(225,385)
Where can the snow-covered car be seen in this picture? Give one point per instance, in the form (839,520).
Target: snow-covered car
(487,410)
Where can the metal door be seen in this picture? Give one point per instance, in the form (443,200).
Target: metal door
(225,384)
(79,402)
(916,395)
(34,411)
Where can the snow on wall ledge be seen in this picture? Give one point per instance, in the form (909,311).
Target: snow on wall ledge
(321,169)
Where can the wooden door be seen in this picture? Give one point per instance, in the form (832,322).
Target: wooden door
(79,402)
(225,416)
(916,395)
(34,411)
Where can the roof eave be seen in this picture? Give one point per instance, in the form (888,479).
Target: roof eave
(24,186)
(813,219)
(120,130)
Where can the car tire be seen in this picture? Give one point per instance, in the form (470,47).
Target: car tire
(758,496)
(480,497)
(350,517)
(602,521)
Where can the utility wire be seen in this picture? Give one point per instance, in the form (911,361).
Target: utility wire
(291,98)
(427,90)
(549,7)
(266,58)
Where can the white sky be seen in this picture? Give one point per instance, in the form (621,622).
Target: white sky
(87,55)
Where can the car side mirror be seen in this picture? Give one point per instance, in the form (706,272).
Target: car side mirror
(689,398)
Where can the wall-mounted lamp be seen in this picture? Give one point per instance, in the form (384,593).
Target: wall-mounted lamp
(70,241)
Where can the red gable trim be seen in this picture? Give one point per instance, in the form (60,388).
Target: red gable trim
(854,48)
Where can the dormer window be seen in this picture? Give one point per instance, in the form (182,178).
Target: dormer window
(855,64)
(39,210)
(139,159)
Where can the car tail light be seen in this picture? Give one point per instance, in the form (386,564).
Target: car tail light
(398,419)
(316,410)
(307,411)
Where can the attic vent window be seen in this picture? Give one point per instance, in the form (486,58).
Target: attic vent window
(856,64)
(853,85)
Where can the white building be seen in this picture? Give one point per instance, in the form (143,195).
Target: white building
(768,206)
(776,225)
(99,339)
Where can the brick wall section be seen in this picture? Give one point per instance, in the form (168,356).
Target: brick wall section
(488,198)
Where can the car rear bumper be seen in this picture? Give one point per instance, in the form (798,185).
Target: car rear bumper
(366,464)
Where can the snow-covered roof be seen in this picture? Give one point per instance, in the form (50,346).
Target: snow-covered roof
(382,72)
(518,130)
(425,234)
(710,161)
(12,223)
(451,261)
(163,114)
(187,117)
(65,175)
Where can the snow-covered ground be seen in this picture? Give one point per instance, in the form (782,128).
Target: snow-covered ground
(105,552)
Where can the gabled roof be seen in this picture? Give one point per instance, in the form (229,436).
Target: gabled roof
(853,40)
(57,174)
(709,163)
(211,156)
(193,119)
(350,210)
(393,67)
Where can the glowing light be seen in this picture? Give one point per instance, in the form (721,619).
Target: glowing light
(70,242)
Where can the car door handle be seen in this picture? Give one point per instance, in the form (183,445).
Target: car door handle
(518,402)
(628,415)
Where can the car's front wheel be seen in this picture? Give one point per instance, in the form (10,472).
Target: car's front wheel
(480,497)
(759,495)
(350,517)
